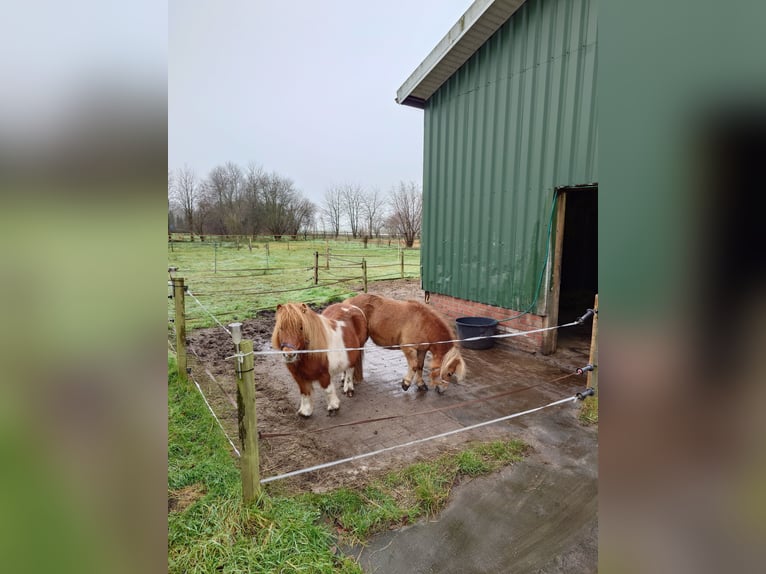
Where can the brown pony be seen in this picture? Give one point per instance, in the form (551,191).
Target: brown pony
(340,326)
(391,323)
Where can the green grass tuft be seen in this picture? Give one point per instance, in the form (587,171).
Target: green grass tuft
(217,532)
(589,411)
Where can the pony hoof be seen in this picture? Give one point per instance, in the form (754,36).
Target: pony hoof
(422,388)
(405,386)
(440,390)
(349,393)
(332,412)
(300,414)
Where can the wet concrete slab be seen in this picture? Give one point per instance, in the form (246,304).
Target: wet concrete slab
(524,519)
(540,515)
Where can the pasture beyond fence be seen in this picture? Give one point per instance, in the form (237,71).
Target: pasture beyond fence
(212,311)
(236,283)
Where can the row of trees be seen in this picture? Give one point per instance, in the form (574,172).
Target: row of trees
(233,201)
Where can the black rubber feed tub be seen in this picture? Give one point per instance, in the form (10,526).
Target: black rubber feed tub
(476,327)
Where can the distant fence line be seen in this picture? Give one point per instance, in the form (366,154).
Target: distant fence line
(404,270)
(186,237)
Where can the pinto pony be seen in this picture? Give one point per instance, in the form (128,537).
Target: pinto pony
(392,323)
(340,326)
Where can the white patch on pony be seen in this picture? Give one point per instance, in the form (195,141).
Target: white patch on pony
(306,407)
(337,361)
(333,402)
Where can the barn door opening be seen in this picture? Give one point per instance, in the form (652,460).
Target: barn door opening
(574,279)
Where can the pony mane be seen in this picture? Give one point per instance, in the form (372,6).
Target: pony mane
(291,316)
(452,354)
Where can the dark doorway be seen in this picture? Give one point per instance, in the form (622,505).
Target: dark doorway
(579,267)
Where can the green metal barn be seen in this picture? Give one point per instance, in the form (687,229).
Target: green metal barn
(510,164)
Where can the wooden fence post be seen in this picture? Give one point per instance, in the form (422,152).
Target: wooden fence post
(364,273)
(180,322)
(248,424)
(592,380)
(401,264)
(316,267)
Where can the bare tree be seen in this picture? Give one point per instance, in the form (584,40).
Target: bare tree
(171,188)
(281,206)
(332,209)
(224,190)
(252,198)
(407,210)
(302,211)
(231,201)
(373,206)
(352,196)
(185,193)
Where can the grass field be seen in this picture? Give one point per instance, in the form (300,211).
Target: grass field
(235,281)
(211,530)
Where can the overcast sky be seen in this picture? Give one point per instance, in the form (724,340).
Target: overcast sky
(302,88)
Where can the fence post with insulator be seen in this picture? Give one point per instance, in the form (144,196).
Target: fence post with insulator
(592,380)
(246,415)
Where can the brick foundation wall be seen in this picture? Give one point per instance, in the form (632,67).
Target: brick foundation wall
(454,308)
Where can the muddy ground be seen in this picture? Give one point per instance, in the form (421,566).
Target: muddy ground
(489,372)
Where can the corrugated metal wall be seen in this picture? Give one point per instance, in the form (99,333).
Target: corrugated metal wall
(513,123)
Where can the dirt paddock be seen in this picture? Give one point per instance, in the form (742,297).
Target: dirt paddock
(489,372)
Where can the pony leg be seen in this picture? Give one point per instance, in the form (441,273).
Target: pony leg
(348,382)
(420,358)
(353,375)
(306,408)
(407,380)
(413,371)
(358,368)
(333,402)
(436,378)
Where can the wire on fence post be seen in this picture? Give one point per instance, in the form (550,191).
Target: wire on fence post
(592,380)
(248,423)
(180,325)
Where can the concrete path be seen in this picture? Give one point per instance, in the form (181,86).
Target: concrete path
(539,515)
